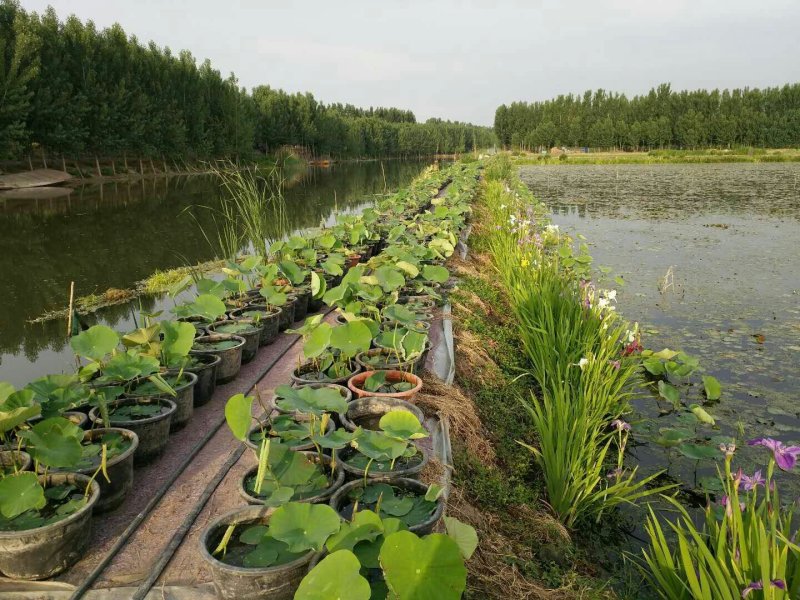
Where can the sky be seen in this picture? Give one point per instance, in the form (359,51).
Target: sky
(459,60)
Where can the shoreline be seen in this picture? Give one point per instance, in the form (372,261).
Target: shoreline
(656,157)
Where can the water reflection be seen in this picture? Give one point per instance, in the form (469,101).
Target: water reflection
(112,235)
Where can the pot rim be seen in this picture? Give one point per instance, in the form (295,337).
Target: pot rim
(260,306)
(335,483)
(361,377)
(215,360)
(347,422)
(251,512)
(257,328)
(238,338)
(345,378)
(401,473)
(403,482)
(95,418)
(93,497)
(330,429)
(342,389)
(191,383)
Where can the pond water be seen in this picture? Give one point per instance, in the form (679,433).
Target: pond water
(115,234)
(729,235)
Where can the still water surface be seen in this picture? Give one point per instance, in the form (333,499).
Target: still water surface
(731,235)
(115,234)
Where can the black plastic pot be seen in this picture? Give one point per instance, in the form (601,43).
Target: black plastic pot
(373,408)
(269,317)
(120,471)
(354,472)
(387,360)
(420,326)
(240,583)
(299,448)
(153,432)
(183,399)
(287,313)
(206,376)
(231,362)
(303,296)
(345,393)
(340,499)
(10,458)
(426,302)
(298,380)
(336,482)
(252,337)
(74,416)
(47,551)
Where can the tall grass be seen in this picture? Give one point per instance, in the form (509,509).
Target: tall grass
(575,345)
(746,547)
(253,213)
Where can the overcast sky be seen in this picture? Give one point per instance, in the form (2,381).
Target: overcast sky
(460,60)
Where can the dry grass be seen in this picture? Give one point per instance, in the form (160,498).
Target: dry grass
(492,571)
(512,537)
(447,402)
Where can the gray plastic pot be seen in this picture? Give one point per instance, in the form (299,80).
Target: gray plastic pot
(120,471)
(183,399)
(9,458)
(374,407)
(206,376)
(335,483)
(240,583)
(153,432)
(340,499)
(252,337)
(46,551)
(297,375)
(269,317)
(231,362)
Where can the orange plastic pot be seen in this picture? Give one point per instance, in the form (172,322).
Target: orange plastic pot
(356,382)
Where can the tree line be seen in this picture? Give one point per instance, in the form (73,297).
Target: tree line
(662,118)
(67,88)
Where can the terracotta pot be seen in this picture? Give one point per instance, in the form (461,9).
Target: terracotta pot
(357,381)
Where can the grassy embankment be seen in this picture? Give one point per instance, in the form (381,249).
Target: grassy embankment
(711,156)
(525,550)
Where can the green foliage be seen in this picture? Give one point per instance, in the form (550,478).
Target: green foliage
(744,549)
(417,568)
(147,101)
(573,341)
(238,415)
(661,118)
(336,576)
(20,493)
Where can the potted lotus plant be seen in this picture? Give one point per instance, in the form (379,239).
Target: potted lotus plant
(45,520)
(281,473)
(389,450)
(112,373)
(330,351)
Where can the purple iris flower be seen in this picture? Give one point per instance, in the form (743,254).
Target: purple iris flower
(620,425)
(757,585)
(750,483)
(785,456)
